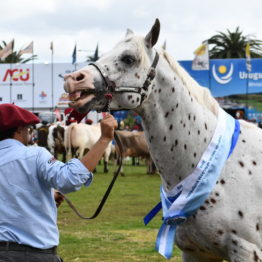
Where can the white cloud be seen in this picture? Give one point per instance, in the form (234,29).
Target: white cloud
(184,24)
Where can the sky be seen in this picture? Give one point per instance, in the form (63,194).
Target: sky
(184,24)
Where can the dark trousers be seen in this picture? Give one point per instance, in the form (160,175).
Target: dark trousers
(12,252)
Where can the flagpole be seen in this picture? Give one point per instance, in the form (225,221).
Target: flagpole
(11,74)
(33,81)
(52,74)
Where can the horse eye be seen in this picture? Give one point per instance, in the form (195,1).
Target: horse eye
(129,60)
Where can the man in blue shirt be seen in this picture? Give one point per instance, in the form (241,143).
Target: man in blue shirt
(29,175)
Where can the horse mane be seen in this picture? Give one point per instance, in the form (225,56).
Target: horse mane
(200,93)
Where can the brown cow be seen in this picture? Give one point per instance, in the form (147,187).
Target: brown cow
(134,145)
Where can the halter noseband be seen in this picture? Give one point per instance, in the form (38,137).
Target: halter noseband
(112,88)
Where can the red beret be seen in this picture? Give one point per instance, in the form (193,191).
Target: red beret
(12,116)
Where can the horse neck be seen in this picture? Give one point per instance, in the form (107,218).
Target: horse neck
(177,127)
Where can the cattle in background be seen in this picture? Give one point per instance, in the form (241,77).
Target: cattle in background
(55,140)
(134,145)
(81,137)
(42,134)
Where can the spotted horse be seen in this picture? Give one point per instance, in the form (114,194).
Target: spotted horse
(210,164)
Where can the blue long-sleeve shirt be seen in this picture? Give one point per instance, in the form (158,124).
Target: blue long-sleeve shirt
(28,175)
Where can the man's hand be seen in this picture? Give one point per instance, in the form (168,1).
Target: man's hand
(58,198)
(108,125)
(90,160)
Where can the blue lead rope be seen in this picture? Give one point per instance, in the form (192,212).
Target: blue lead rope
(175,213)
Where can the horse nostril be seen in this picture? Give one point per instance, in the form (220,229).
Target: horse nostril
(80,77)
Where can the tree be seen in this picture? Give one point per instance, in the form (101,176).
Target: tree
(15,57)
(233,45)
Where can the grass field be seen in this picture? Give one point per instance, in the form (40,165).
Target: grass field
(118,233)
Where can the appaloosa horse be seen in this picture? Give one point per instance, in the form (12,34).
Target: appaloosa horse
(180,120)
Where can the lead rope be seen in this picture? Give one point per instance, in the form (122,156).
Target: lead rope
(102,203)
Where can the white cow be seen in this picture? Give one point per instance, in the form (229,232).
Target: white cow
(82,137)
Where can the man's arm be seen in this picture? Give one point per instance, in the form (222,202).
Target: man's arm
(91,159)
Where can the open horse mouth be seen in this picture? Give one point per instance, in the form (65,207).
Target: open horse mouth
(79,99)
(81,89)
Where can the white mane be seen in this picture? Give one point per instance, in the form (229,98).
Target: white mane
(201,94)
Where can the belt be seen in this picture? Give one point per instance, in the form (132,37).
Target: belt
(12,246)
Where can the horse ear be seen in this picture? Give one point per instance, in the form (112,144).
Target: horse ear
(129,32)
(152,37)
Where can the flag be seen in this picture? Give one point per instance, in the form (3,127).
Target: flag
(248,58)
(28,49)
(52,47)
(74,56)
(7,50)
(201,60)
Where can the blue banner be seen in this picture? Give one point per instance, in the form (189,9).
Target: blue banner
(232,85)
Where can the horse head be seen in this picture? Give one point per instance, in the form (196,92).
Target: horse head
(122,77)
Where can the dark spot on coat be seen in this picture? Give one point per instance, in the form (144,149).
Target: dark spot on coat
(222,181)
(257,227)
(243,140)
(206,126)
(164,138)
(173,89)
(234,231)
(217,194)
(213,200)
(193,165)
(240,213)
(189,133)
(185,146)
(249,172)
(137,100)
(241,163)
(198,132)
(166,115)
(176,142)
(133,101)
(171,127)
(189,116)
(220,232)
(205,140)
(129,97)
(176,105)
(256,258)
(254,163)
(202,208)
(234,242)
(159,90)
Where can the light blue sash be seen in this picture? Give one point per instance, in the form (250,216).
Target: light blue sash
(187,196)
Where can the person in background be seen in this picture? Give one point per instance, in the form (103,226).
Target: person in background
(29,175)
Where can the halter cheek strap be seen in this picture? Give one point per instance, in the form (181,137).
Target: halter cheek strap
(112,88)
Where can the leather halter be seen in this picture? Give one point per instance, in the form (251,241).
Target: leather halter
(112,88)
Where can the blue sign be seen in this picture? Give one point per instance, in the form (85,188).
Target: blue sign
(229,76)
(233,86)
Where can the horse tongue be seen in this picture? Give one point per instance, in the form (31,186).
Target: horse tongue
(75,95)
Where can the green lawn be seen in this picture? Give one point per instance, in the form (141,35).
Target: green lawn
(118,233)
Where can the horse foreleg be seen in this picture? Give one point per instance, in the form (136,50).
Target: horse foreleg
(244,251)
